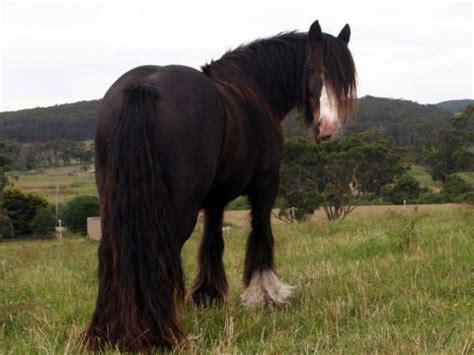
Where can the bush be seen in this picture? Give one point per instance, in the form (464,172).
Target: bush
(44,222)
(22,209)
(6,227)
(468,198)
(455,186)
(370,199)
(432,197)
(240,203)
(405,188)
(76,212)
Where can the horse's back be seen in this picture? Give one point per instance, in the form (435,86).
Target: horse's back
(188,123)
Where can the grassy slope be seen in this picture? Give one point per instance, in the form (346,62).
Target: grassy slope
(424,178)
(374,284)
(72,182)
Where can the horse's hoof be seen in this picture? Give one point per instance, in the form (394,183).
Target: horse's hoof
(203,297)
(266,290)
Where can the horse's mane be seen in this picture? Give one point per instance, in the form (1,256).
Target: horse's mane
(256,69)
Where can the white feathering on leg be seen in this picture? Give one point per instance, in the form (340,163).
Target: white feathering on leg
(266,290)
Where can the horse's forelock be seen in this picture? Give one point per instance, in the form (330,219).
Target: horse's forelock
(341,77)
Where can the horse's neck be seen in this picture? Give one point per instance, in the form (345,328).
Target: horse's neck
(281,84)
(270,71)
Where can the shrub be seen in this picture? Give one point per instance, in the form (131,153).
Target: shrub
(468,197)
(432,197)
(44,221)
(22,209)
(405,188)
(454,186)
(77,210)
(240,203)
(6,227)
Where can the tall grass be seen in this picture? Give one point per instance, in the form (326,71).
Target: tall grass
(398,283)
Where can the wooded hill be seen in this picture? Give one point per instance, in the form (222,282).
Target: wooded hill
(405,121)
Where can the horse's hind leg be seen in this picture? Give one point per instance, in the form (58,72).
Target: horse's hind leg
(210,283)
(263,286)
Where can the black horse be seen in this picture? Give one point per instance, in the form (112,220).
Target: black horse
(173,140)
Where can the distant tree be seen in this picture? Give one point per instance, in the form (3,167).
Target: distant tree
(451,151)
(406,188)
(6,227)
(335,175)
(22,208)
(76,212)
(379,160)
(340,192)
(359,165)
(300,172)
(44,221)
(455,186)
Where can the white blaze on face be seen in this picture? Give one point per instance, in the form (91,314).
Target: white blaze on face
(328,114)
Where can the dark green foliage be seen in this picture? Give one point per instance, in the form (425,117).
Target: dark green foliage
(21,208)
(430,197)
(44,221)
(299,176)
(457,190)
(338,174)
(451,150)
(70,121)
(407,123)
(55,153)
(455,106)
(454,185)
(76,212)
(6,227)
(240,203)
(378,160)
(406,188)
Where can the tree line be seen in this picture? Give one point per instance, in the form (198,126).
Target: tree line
(407,122)
(369,168)
(47,154)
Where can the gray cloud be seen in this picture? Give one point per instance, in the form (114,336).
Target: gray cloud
(55,52)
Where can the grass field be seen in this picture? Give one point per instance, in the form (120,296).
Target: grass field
(72,182)
(401,282)
(424,178)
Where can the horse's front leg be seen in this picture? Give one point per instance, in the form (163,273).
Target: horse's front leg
(263,288)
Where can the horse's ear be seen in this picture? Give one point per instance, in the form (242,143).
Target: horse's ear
(315,34)
(345,34)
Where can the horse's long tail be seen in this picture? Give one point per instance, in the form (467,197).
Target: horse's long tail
(140,273)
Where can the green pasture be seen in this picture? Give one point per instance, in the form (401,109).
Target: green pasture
(396,283)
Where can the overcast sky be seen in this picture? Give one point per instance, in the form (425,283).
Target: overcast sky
(58,52)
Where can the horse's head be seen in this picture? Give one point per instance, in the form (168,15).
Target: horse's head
(329,81)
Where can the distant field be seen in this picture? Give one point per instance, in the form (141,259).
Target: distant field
(424,178)
(400,282)
(468,177)
(241,218)
(72,182)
